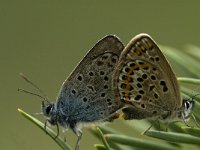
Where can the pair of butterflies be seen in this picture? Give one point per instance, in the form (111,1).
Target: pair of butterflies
(136,79)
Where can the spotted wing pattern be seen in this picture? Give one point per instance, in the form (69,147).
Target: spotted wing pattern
(144,79)
(87,95)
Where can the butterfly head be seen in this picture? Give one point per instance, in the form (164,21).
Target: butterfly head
(49,110)
(187,107)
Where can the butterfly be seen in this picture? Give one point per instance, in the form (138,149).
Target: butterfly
(86,96)
(144,81)
(136,80)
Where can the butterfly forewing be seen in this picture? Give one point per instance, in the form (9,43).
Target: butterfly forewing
(143,78)
(87,92)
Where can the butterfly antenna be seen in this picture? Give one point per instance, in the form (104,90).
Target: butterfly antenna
(192,114)
(35,86)
(25,91)
(193,97)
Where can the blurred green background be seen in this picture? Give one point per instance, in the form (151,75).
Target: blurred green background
(46,39)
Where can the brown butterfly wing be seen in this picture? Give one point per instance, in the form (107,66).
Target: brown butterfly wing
(144,79)
(87,95)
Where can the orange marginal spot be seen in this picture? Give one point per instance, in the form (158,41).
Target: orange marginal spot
(127,90)
(127,98)
(128,86)
(145,65)
(142,65)
(128,102)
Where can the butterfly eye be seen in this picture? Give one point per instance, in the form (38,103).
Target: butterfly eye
(187,104)
(48,109)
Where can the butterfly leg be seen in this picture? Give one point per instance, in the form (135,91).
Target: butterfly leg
(148,128)
(57,131)
(186,123)
(152,124)
(166,126)
(65,139)
(161,126)
(45,125)
(78,132)
(194,118)
(184,120)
